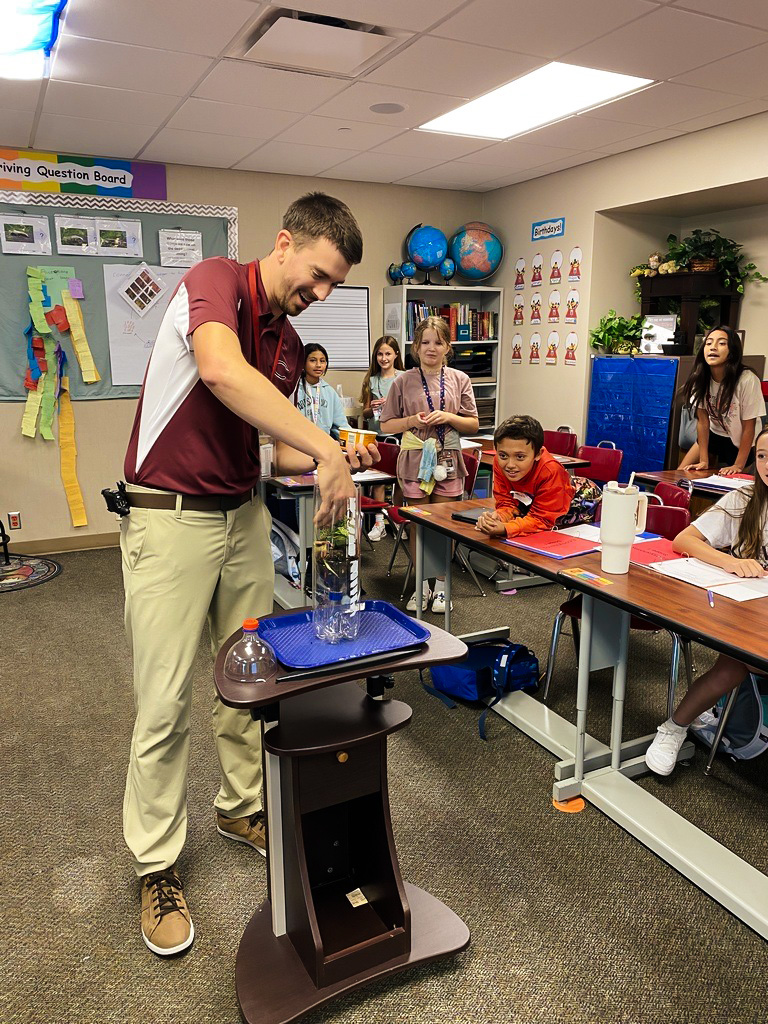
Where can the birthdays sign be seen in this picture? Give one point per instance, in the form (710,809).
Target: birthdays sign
(543,229)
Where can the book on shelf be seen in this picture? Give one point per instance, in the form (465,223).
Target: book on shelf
(484,324)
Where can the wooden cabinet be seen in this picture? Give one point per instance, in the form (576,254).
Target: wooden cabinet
(690,289)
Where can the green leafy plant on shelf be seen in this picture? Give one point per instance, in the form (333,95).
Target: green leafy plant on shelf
(617,333)
(704,246)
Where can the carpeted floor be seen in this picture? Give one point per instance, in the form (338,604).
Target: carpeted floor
(573,921)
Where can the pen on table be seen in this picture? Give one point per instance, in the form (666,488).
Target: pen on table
(711,599)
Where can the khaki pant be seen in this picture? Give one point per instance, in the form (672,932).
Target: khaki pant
(180,569)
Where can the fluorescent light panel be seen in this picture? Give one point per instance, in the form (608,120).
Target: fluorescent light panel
(28,31)
(545,95)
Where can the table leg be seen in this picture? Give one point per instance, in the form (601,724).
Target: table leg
(448,572)
(419,567)
(619,690)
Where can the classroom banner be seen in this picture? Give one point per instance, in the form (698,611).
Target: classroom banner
(23,170)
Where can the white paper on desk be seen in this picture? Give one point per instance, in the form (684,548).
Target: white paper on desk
(693,570)
(725,483)
(372,476)
(469,445)
(587,531)
(743,590)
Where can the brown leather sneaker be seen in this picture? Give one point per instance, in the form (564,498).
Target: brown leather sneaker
(166,926)
(250,830)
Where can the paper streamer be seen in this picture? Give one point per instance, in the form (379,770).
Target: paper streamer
(48,404)
(79,339)
(68,454)
(32,408)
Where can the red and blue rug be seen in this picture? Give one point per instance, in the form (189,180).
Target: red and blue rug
(26,571)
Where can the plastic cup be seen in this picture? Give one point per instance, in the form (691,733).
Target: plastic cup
(354,436)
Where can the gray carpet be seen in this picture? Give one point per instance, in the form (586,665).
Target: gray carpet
(573,921)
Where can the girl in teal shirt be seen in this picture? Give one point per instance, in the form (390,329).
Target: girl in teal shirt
(315,397)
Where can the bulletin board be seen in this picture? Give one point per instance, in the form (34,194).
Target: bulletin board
(218,226)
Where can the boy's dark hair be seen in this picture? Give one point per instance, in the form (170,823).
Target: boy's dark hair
(521,428)
(317,215)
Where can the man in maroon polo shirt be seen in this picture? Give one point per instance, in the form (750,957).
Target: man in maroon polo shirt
(195,546)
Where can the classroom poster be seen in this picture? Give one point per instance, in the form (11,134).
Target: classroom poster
(553,317)
(535,354)
(574,274)
(25,236)
(132,337)
(536,308)
(571,344)
(553,343)
(517,349)
(520,275)
(572,306)
(555,263)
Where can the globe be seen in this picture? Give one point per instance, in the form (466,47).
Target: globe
(395,272)
(477,250)
(408,269)
(427,246)
(447,269)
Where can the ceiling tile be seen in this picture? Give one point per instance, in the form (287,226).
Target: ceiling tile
(454,174)
(540,172)
(338,134)
(746,12)
(238,81)
(94,62)
(663,42)
(638,141)
(288,158)
(446,66)
(15,127)
(124,105)
(519,26)
(173,146)
(582,132)
(378,167)
(748,109)
(186,25)
(442,147)
(743,73)
(403,14)
(231,119)
(86,135)
(516,156)
(665,104)
(17,95)
(419,106)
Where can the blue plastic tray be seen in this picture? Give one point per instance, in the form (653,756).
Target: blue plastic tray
(383,628)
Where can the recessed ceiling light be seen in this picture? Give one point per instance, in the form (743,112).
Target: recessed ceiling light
(387,108)
(545,95)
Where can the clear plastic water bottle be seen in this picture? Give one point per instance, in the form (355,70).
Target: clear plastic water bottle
(250,659)
(336,572)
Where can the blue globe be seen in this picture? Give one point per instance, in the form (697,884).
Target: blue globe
(447,268)
(408,269)
(477,250)
(395,272)
(427,246)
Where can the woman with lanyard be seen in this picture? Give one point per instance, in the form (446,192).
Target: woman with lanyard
(315,397)
(431,405)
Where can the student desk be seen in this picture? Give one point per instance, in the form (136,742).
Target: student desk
(302,487)
(570,462)
(702,497)
(603,774)
(339,913)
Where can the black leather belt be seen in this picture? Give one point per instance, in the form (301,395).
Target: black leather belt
(189,502)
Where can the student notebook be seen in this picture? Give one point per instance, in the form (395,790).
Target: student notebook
(554,543)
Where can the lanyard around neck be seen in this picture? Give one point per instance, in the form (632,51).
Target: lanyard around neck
(255,324)
(441,427)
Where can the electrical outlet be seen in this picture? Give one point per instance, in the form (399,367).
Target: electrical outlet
(14,520)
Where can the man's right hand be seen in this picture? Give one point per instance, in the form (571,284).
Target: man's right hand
(335,483)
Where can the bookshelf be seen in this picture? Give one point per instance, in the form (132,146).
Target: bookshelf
(478,357)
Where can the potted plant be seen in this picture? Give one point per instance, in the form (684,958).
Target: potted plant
(708,250)
(618,334)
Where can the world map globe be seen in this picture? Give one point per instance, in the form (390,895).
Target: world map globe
(447,269)
(477,250)
(427,246)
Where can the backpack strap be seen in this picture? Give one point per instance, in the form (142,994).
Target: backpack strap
(500,673)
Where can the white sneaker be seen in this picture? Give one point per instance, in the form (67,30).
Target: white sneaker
(705,721)
(425,596)
(661,756)
(438,602)
(378,530)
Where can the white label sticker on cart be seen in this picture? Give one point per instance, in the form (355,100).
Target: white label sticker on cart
(357,898)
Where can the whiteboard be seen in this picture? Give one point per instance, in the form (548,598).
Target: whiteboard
(341,325)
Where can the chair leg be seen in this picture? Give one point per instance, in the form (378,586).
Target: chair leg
(688,658)
(556,630)
(674,669)
(407,577)
(468,566)
(398,540)
(721,729)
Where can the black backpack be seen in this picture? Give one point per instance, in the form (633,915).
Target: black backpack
(746,732)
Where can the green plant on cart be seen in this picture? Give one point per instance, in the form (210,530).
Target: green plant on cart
(615,333)
(703,245)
